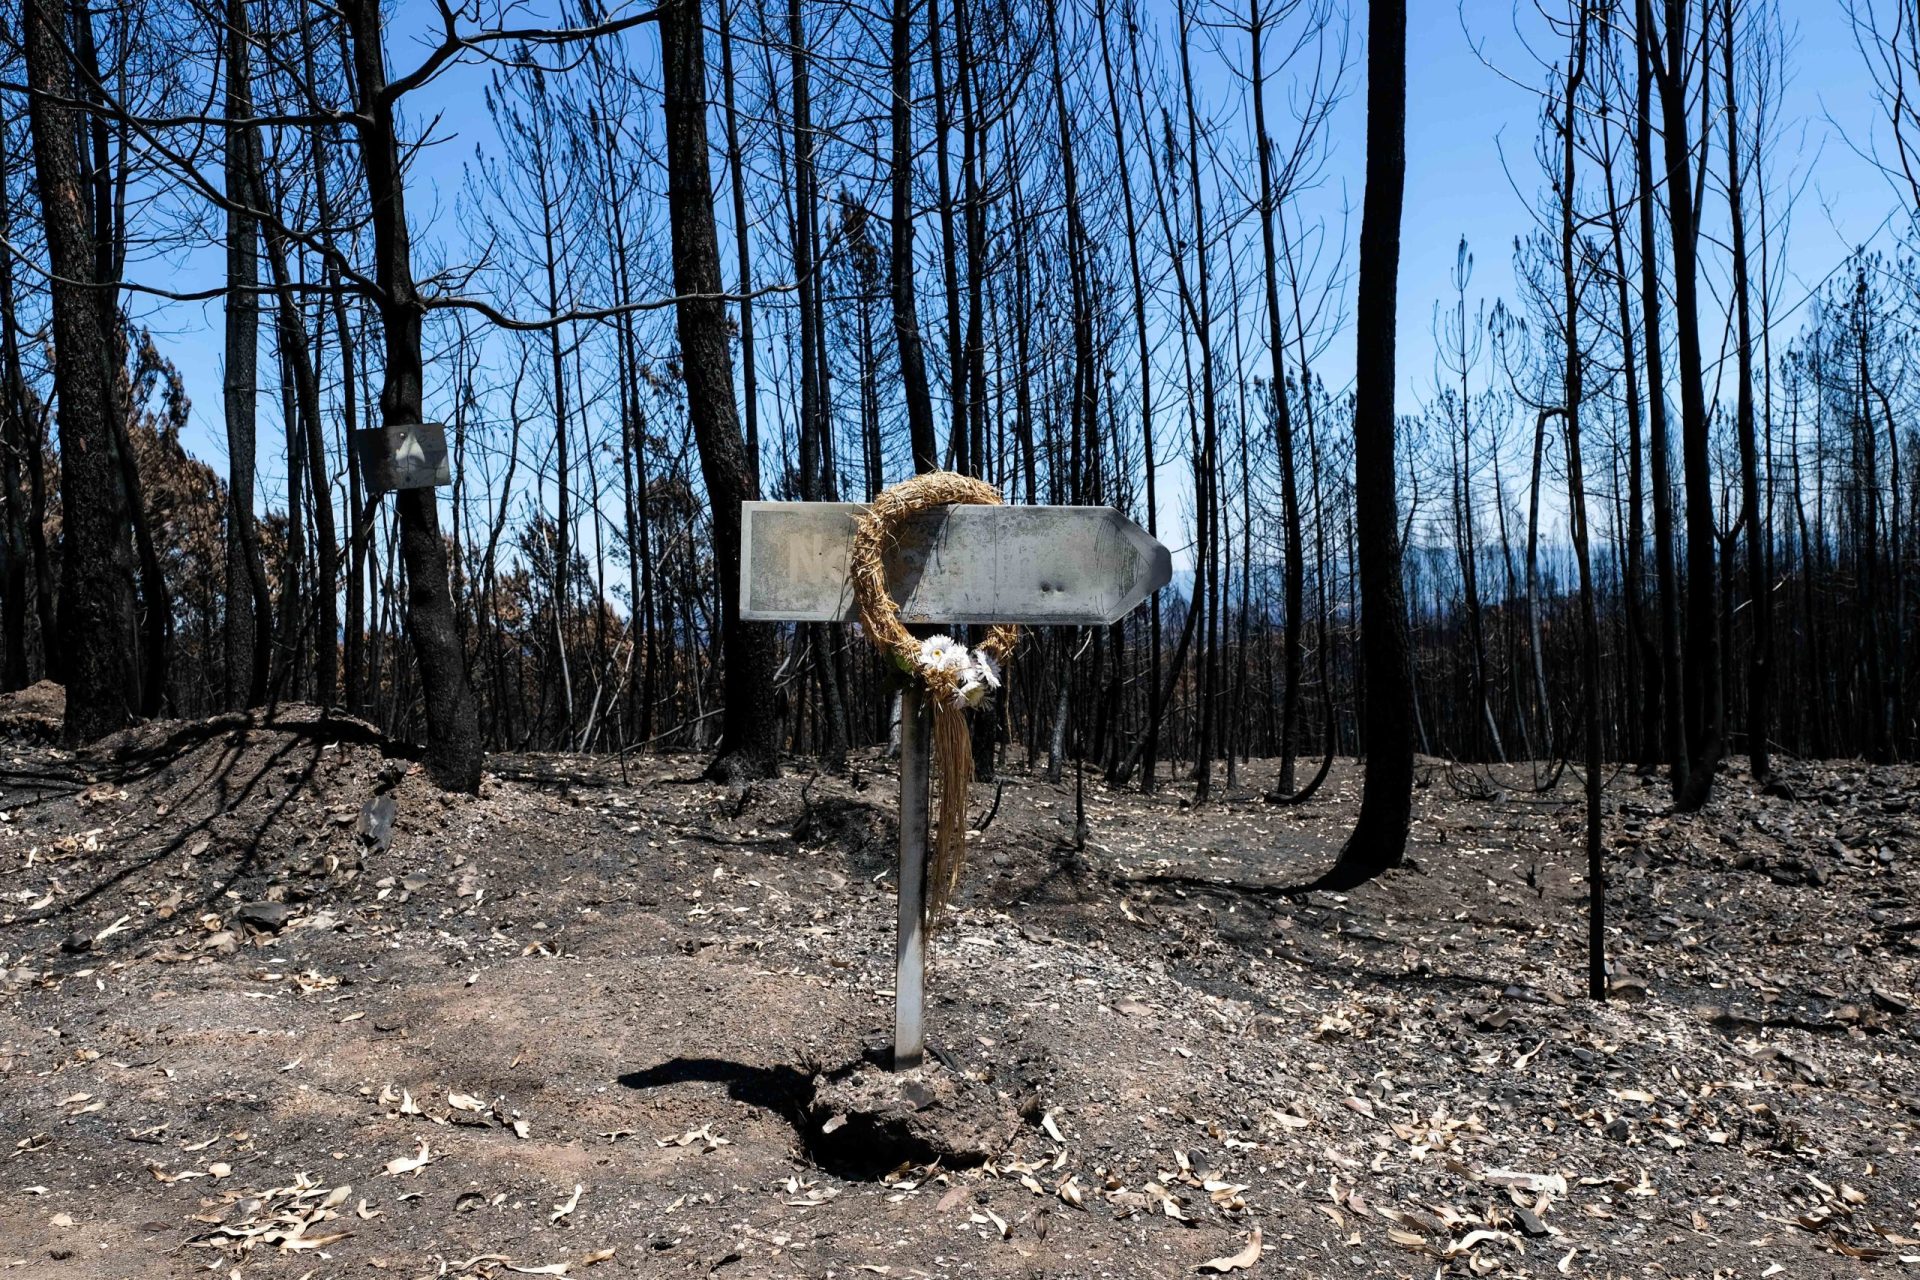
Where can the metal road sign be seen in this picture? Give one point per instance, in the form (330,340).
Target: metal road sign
(1039,566)
(403,457)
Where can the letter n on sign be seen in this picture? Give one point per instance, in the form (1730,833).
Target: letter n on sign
(412,456)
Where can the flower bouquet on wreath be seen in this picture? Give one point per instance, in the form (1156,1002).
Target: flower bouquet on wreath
(954,677)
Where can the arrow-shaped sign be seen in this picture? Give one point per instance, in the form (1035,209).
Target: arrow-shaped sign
(1041,566)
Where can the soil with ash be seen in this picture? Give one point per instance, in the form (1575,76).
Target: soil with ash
(272,1006)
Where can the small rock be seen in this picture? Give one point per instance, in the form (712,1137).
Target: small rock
(376,823)
(1619,1130)
(1489,1019)
(1530,1222)
(76,942)
(270,916)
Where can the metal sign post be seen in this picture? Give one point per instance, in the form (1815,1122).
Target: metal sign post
(1036,566)
(910,947)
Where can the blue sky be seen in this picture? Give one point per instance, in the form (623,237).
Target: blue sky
(1469,99)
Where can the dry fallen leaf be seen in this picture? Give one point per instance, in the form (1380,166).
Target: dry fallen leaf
(163,1175)
(564,1210)
(1526,1181)
(704,1134)
(413,1163)
(1407,1239)
(1236,1262)
(298,1243)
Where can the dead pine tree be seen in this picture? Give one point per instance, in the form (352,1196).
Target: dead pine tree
(1567,128)
(749,730)
(1294,571)
(1704,703)
(249,628)
(1757,528)
(96,613)
(455,751)
(1146,750)
(15,558)
(1666,568)
(906,320)
(1378,841)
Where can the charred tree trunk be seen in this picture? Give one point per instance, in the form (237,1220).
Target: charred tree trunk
(18,436)
(455,753)
(1666,570)
(1760,652)
(1148,751)
(1705,706)
(1379,838)
(96,637)
(736,170)
(1294,573)
(749,731)
(294,340)
(249,629)
(1574,391)
(906,320)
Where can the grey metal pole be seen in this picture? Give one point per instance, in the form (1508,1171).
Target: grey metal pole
(910,955)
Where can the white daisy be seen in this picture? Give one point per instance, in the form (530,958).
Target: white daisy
(971,692)
(943,653)
(986,670)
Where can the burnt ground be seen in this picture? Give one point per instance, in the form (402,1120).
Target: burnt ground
(602,1022)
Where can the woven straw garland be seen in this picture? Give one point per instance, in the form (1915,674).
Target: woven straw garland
(880,616)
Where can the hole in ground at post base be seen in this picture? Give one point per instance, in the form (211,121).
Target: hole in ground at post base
(859,1121)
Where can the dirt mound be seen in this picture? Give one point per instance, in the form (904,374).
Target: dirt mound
(203,829)
(34,712)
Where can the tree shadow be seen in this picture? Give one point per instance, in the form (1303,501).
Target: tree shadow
(243,846)
(782,1089)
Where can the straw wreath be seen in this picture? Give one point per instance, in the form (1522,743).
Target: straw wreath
(953,677)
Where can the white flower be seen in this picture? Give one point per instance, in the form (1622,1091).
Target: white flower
(943,653)
(985,669)
(971,693)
